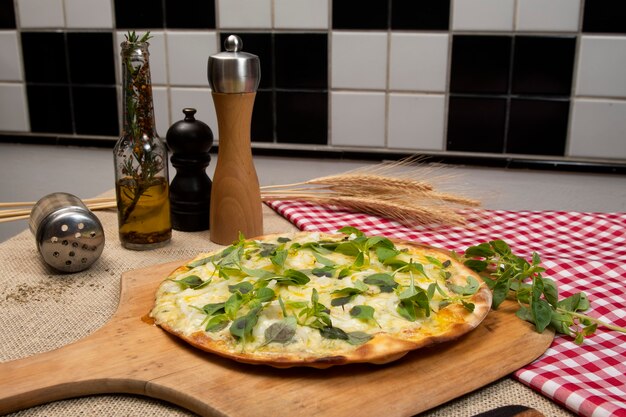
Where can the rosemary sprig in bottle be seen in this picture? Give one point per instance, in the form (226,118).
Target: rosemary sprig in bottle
(138,125)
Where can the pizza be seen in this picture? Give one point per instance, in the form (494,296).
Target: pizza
(316,299)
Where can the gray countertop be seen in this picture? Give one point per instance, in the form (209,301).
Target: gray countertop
(28,172)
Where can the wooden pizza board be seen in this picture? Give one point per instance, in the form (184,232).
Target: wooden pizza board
(130,355)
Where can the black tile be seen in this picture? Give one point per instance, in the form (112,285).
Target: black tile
(263,117)
(604,16)
(480,64)
(49,108)
(360,14)
(476,124)
(302,117)
(190,14)
(543,65)
(537,127)
(259,44)
(301,60)
(7,14)
(420,14)
(138,14)
(95,110)
(44,57)
(91,57)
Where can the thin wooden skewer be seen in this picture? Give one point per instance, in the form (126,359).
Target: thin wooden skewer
(10,215)
(32,203)
(7,214)
(103,205)
(10,219)
(17,204)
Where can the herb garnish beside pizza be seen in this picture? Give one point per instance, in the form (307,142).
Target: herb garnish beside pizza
(314,299)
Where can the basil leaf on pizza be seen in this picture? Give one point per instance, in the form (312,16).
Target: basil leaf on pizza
(315,299)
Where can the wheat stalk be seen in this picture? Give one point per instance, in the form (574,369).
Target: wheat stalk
(403,191)
(406,215)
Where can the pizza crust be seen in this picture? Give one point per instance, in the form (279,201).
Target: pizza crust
(383,348)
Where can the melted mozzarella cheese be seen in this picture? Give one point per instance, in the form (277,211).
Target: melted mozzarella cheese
(181,308)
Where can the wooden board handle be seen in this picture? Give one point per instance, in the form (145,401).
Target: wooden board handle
(235,196)
(121,356)
(71,371)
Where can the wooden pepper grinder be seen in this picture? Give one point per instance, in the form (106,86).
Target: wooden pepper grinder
(190,192)
(235,197)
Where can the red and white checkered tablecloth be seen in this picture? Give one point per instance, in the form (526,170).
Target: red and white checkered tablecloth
(581,251)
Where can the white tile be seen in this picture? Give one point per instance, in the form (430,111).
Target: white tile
(301,14)
(598,129)
(549,16)
(89,13)
(197,98)
(418,62)
(483,14)
(119,38)
(10,59)
(358,119)
(601,67)
(187,57)
(14,114)
(158,64)
(40,13)
(416,121)
(161,103)
(244,14)
(359,60)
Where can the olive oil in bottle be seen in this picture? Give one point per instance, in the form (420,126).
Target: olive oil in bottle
(146,220)
(141,177)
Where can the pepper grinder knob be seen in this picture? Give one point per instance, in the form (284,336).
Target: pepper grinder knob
(190,192)
(233,43)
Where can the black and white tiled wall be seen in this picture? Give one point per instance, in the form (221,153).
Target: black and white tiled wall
(542,79)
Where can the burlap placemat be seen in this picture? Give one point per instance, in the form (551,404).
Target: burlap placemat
(42,311)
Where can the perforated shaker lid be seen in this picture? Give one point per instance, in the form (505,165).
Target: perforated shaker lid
(234,71)
(70,239)
(69,236)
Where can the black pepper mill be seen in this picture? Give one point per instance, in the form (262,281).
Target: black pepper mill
(190,192)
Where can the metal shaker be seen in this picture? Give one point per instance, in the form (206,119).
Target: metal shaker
(70,238)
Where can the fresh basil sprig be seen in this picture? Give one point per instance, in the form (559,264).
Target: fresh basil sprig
(242,326)
(364,312)
(354,338)
(360,246)
(281,331)
(414,300)
(192,281)
(345,295)
(536,295)
(385,282)
(470,288)
(316,314)
(229,256)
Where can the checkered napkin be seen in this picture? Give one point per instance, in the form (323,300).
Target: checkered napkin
(581,251)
